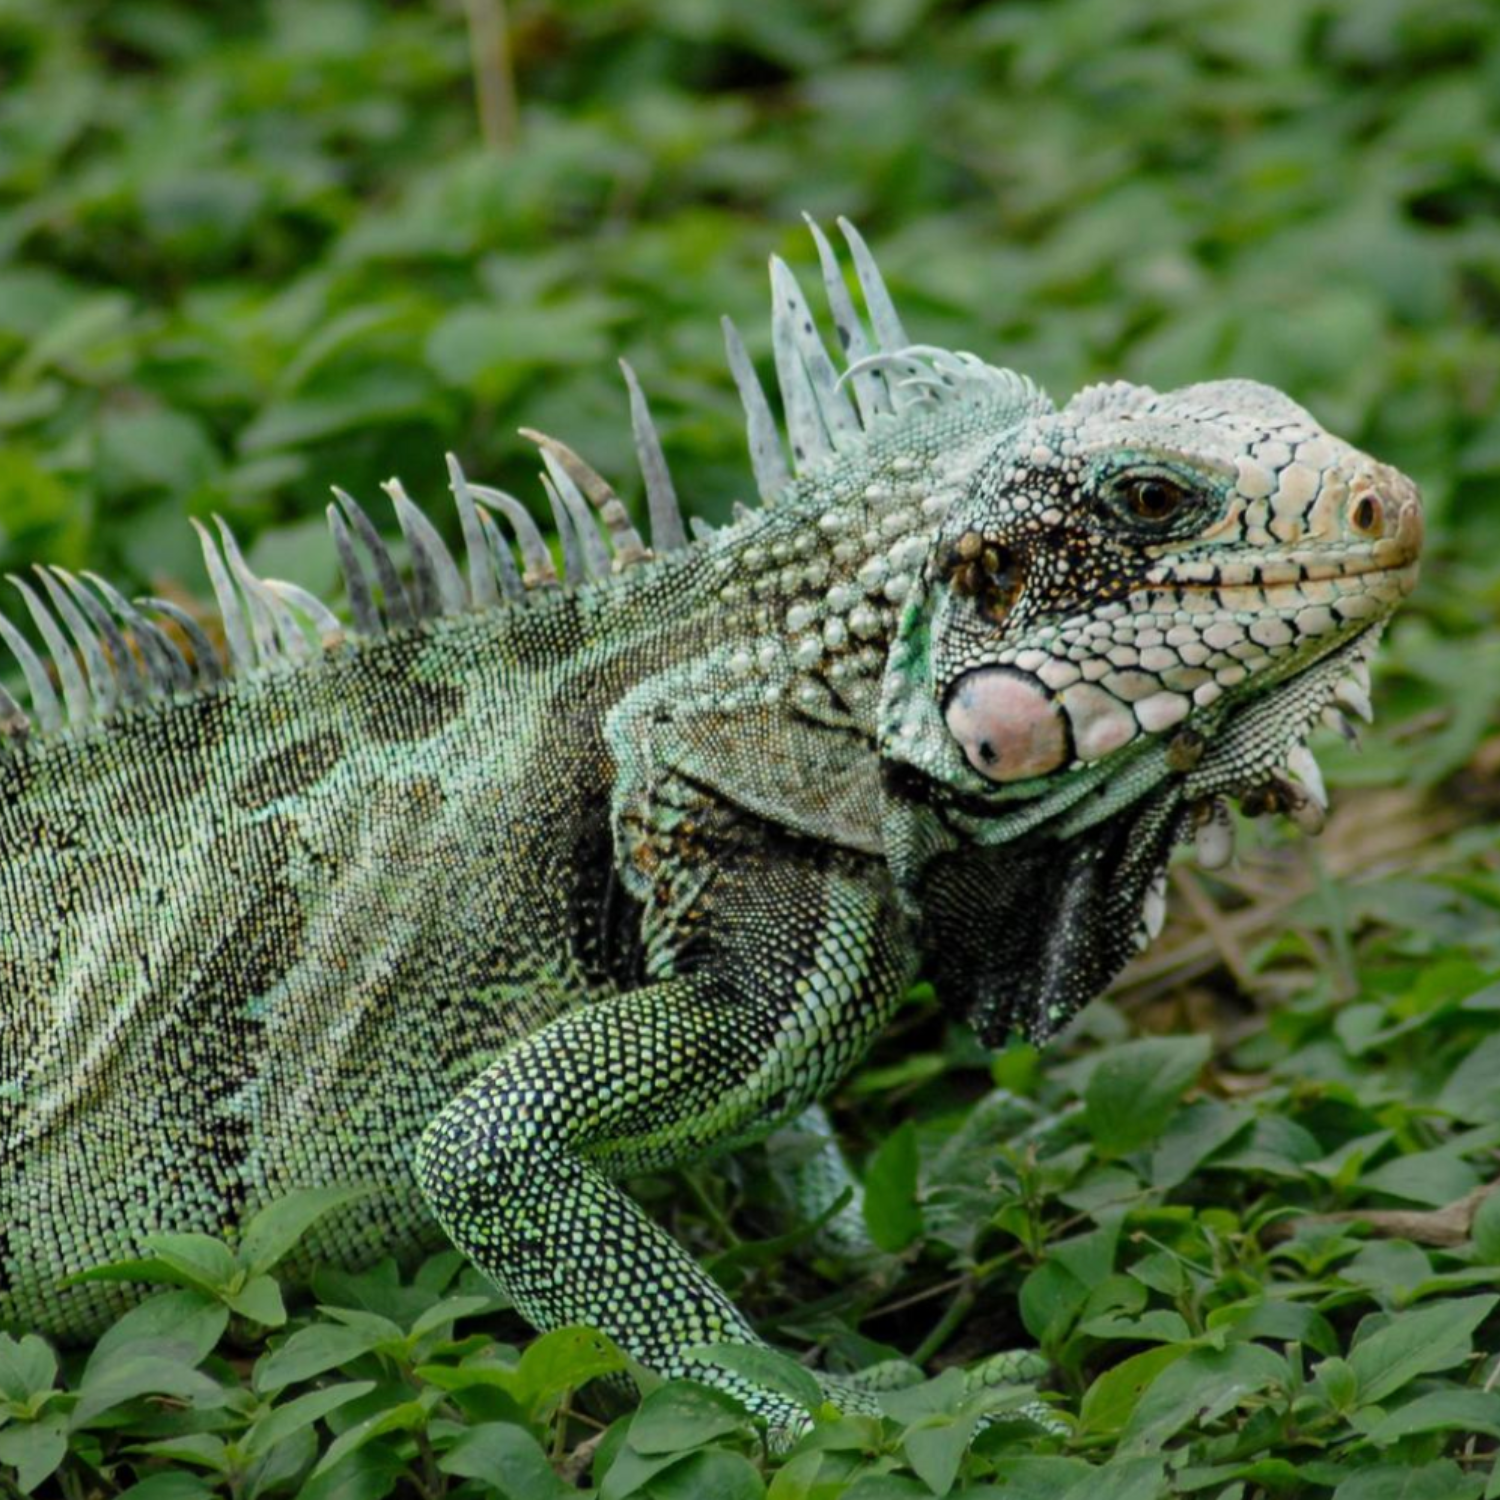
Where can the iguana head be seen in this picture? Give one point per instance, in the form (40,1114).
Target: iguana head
(1143,602)
(1136,559)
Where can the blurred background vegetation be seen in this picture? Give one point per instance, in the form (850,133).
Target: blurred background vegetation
(248,250)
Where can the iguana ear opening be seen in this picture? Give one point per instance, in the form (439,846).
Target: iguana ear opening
(1022,936)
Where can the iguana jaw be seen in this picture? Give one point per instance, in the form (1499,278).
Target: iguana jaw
(1261,755)
(1019,736)
(1248,744)
(1096,844)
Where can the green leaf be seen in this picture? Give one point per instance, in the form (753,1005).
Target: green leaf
(936,1450)
(1470,1091)
(798,1478)
(1265,1317)
(27,1367)
(1417,1343)
(892,1214)
(1432,1178)
(153,449)
(1039,1478)
(188,1321)
(279,1423)
(1441,1411)
(722,1476)
(260,1301)
(1159,1325)
(31,496)
(1112,1398)
(141,1369)
(507,1458)
(1393,1269)
(404,1416)
(275,1230)
(1338,1383)
(684,1414)
(363,399)
(206,1450)
(379,1327)
(87,341)
(1199,1388)
(495,347)
(1192,1135)
(310,1351)
(283,1464)
(199,1259)
(1051,1298)
(378,1289)
(1122,1478)
(885,1487)
(34,1449)
(197,1268)
(630,1472)
(913,1404)
(368,1473)
(1486,1230)
(563,1360)
(1439,1481)
(447,1312)
(170,1486)
(1134,1088)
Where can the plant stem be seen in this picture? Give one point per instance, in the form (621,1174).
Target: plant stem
(494,72)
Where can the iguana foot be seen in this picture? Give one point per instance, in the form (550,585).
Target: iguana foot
(858,1394)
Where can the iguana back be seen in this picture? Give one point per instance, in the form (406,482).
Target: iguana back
(255,938)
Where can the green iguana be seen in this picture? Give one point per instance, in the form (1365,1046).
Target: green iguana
(525,882)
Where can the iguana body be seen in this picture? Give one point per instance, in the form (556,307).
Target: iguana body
(518,889)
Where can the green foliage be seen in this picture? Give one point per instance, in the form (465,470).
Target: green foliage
(248,250)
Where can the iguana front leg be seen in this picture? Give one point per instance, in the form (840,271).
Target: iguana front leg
(786,968)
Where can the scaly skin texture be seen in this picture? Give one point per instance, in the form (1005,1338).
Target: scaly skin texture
(497,899)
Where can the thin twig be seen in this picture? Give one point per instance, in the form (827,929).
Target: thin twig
(941,1331)
(1213,923)
(572,1468)
(925,1295)
(1443,1227)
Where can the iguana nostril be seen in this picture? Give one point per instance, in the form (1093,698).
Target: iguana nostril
(1367,515)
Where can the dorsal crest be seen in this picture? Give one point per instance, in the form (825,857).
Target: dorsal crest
(109,655)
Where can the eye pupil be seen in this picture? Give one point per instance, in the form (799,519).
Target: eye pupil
(1154,499)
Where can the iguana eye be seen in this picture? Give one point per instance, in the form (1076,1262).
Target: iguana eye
(1153,498)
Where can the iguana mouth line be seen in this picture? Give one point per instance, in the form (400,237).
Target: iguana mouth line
(1266,576)
(1400,549)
